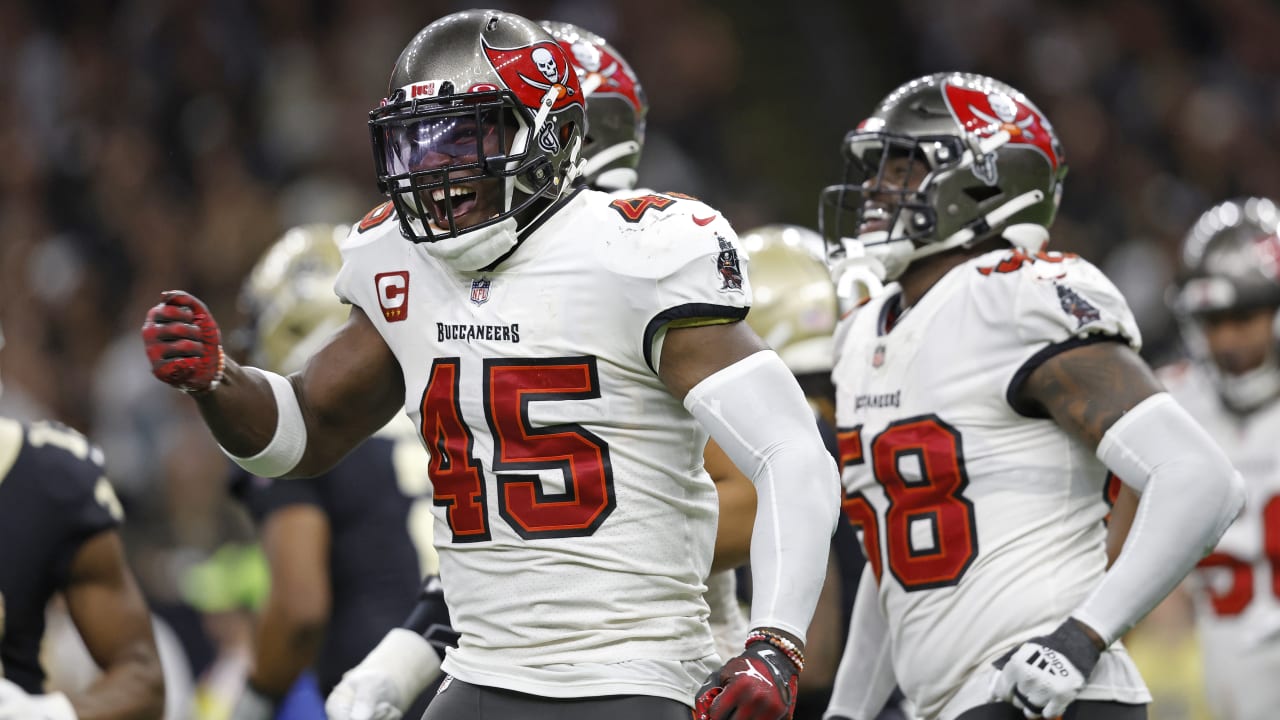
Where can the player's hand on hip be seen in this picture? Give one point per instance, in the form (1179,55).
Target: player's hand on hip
(17,704)
(183,343)
(1043,675)
(759,684)
(363,694)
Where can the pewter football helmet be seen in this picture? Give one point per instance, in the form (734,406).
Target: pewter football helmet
(616,107)
(992,166)
(479,98)
(1231,263)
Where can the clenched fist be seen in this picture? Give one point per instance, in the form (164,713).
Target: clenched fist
(183,343)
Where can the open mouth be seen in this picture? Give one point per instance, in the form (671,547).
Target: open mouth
(462,198)
(875,218)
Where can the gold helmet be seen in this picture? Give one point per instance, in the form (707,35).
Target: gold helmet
(794,308)
(290,300)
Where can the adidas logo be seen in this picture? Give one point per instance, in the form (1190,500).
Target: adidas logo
(1049,662)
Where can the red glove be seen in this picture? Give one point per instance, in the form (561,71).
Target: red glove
(759,684)
(183,343)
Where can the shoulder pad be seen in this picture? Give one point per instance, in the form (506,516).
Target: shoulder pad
(658,233)
(1056,296)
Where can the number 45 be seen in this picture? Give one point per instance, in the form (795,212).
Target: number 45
(510,386)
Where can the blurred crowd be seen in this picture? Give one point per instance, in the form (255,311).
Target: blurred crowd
(147,145)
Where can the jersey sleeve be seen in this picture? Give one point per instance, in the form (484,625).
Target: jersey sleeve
(1063,302)
(81,502)
(696,263)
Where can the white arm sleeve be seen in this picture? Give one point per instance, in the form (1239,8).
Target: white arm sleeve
(865,679)
(756,412)
(289,442)
(1190,494)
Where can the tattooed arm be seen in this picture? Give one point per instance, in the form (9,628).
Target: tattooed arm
(1088,388)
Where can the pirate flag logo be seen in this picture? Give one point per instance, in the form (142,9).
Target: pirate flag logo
(727,265)
(1076,306)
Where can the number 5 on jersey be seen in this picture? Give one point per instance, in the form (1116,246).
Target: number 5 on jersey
(510,386)
(929,533)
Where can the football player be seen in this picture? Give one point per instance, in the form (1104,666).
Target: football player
(616,110)
(982,399)
(563,354)
(1227,306)
(59,533)
(346,549)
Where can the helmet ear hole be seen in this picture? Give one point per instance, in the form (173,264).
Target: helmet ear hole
(981,193)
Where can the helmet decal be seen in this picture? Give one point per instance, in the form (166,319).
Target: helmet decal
(614,77)
(986,113)
(531,71)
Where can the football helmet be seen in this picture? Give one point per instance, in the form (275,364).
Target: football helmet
(616,107)
(1231,263)
(988,164)
(793,300)
(289,298)
(484,116)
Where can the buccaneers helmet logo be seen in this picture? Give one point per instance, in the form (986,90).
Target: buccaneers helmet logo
(987,113)
(532,70)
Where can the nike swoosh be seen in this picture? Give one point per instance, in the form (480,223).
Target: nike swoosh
(703,221)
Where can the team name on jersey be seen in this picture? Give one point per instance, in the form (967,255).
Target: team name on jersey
(880,400)
(468,332)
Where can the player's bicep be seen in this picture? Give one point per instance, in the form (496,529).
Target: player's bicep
(691,354)
(1087,388)
(348,390)
(106,605)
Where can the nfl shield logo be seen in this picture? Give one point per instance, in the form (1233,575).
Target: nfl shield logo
(877,357)
(480,291)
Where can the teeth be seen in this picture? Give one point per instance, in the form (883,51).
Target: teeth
(454,191)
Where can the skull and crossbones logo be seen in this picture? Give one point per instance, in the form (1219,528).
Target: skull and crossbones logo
(546,63)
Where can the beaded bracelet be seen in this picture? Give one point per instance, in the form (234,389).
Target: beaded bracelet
(786,646)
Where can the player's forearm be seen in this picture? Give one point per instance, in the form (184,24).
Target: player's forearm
(285,647)
(770,435)
(132,688)
(241,411)
(1190,495)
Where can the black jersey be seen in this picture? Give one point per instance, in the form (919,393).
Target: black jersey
(54,495)
(375,566)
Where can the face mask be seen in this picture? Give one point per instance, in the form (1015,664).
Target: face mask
(476,249)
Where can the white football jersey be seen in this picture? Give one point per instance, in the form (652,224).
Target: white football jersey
(1237,587)
(558,456)
(982,521)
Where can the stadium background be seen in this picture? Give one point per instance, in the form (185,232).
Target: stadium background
(147,145)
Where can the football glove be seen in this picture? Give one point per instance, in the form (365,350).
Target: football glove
(18,704)
(183,343)
(387,681)
(1043,675)
(758,684)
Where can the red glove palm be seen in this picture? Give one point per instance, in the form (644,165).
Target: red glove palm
(183,343)
(759,684)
